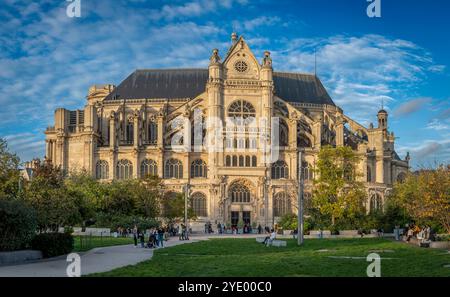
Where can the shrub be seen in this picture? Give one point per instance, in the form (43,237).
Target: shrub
(53,244)
(17,225)
(104,220)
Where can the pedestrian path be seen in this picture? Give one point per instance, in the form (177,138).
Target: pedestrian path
(96,260)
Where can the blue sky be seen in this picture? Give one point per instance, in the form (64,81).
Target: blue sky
(48,60)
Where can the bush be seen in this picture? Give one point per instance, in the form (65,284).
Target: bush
(17,225)
(53,244)
(104,220)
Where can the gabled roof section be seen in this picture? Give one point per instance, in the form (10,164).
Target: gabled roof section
(189,83)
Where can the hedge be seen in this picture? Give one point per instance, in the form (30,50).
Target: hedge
(17,225)
(53,244)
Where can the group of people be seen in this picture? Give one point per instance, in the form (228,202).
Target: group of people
(222,229)
(424,233)
(156,237)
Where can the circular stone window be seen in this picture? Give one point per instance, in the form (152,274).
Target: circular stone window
(240,66)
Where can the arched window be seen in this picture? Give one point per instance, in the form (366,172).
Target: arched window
(235,161)
(198,201)
(102,170)
(253,161)
(247,161)
(148,167)
(281,204)
(369,174)
(242,112)
(376,203)
(152,132)
(198,168)
(239,193)
(306,172)
(401,177)
(173,169)
(129,132)
(124,169)
(228,161)
(280,170)
(241,161)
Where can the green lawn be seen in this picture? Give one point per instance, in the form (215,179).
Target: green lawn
(246,257)
(85,243)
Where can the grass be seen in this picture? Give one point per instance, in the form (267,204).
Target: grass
(85,243)
(246,257)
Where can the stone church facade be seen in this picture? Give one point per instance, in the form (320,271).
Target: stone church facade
(144,126)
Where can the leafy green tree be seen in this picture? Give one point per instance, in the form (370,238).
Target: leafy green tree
(119,198)
(148,194)
(88,193)
(47,194)
(337,191)
(173,205)
(9,172)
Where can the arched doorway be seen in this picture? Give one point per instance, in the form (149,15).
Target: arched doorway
(241,204)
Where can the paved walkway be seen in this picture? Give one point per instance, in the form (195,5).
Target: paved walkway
(96,260)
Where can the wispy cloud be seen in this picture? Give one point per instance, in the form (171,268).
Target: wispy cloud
(435,124)
(411,106)
(359,71)
(428,153)
(250,25)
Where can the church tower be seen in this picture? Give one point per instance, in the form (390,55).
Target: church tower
(382,119)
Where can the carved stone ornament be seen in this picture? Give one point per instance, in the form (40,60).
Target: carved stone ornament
(215,58)
(267,60)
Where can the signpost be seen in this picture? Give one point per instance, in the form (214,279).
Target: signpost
(300,201)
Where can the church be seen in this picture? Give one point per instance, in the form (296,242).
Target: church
(231,134)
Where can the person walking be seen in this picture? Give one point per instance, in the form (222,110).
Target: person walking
(135,235)
(180,232)
(161,237)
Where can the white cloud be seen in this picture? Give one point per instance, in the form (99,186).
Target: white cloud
(250,25)
(359,71)
(192,9)
(435,124)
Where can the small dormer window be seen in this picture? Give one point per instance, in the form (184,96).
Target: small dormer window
(241,66)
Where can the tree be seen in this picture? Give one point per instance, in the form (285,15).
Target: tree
(119,198)
(173,206)
(425,195)
(47,194)
(337,191)
(87,192)
(9,172)
(148,194)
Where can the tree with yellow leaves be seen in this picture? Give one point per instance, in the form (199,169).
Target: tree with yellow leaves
(425,195)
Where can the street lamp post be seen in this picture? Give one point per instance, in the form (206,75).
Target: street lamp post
(300,201)
(186,198)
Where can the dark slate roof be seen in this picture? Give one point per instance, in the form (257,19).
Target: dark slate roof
(189,83)
(299,87)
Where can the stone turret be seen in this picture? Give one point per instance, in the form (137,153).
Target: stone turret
(382,119)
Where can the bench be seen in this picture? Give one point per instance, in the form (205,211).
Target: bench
(278,243)
(260,239)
